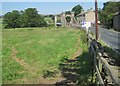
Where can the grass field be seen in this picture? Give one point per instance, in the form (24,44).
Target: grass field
(0,58)
(0,23)
(28,53)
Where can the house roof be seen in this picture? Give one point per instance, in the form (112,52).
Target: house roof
(85,12)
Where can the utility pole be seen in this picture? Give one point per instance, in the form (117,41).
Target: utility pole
(96,19)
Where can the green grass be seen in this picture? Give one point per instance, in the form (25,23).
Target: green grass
(0,51)
(0,23)
(0,26)
(40,48)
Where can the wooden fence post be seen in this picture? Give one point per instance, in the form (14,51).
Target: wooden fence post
(99,62)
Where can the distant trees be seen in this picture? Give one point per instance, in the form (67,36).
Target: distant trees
(68,12)
(77,9)
(106,14)
(68,19)
(12,19)
(50,16)
(26,18)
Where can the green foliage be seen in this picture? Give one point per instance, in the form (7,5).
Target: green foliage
(111,7)
(27,18)
(12,19)
(31,18)
(107,13)
(68,12)
(50,16)
(68,19)
(53,18)
(77,9)
(58,20)
(49,20)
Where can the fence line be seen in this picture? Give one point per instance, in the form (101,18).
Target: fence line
(106,73)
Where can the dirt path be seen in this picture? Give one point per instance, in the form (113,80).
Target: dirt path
(21,61)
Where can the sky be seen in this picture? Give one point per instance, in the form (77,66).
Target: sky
(46,7)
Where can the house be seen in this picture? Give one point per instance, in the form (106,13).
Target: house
(86,19)
(116,21)
(88,16)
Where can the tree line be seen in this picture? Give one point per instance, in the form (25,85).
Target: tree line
(27,18)
(107,13)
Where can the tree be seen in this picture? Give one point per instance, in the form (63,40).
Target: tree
(111,7)
(68,12)
(40,22)
(107,13)
(12,19)
(77,9)
(90,9)
(31,18)
(53,17)
(68,19)
(26,18)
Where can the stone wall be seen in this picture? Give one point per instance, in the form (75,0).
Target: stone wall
(116,22)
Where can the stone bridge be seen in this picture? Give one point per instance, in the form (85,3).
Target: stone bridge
(60,20)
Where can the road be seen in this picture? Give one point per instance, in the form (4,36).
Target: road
(111,38)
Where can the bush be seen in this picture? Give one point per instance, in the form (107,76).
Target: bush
(68,19)
(12,19)
(27,18)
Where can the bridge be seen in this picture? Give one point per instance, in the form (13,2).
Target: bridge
(60,20)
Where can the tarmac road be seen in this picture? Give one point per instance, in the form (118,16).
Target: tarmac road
(111,38)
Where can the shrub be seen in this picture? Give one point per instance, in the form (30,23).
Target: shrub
(27,18)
